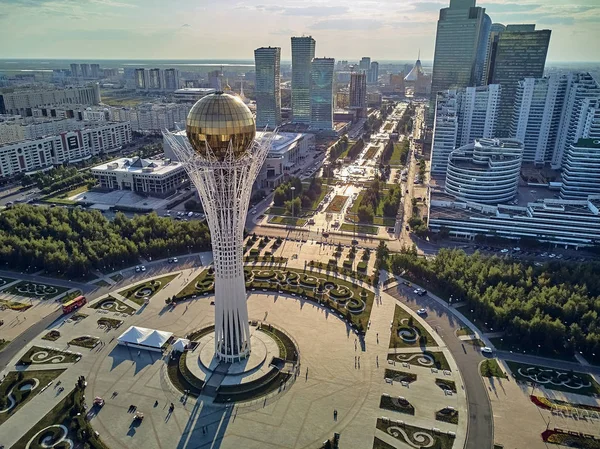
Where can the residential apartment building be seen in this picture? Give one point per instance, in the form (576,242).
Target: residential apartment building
(321,94)
(581,170)
(22,101)
(34,128)
(29,156)
(267,87)
(303,53)
(151,117)
(358,93)
(462,116)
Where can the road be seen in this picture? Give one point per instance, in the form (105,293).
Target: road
(467,357)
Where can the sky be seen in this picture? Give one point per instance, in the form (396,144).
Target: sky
(227,29)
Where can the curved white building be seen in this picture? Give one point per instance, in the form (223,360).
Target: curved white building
(486,171)
(581,170)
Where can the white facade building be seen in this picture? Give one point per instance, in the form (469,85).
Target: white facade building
(33,128)
(462,116)
(152,177)
(581,170)
(192,94)
(29,156)
(157,117)
(20,101)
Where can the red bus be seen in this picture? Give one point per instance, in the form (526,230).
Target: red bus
(73,304)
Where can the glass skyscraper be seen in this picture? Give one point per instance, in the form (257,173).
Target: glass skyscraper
(303,52)
(321,94)
(267,87)
(460,46)
(519,53)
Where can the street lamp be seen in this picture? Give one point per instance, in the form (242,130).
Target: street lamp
(292,189)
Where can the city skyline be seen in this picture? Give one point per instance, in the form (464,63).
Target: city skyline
(197,28)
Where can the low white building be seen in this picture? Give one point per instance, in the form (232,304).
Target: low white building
(29,156)
(192,94)
(152,177)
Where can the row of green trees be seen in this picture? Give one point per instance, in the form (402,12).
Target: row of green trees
(555,306)
(74,242)
(57,179)
(303,197)
(405,123)
(375,194)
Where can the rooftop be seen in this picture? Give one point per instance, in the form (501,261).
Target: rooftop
(282,142)
(139,165)
(587,143)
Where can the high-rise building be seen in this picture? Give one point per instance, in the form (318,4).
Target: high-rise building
(580,117)
(171,77)
(358,93)
(75,70)
(365,64)
(95,70)
(462,116)
(215,80)
(303,53)
(495,31)
(581,170)
(267,87)
(155,79)
(520,52)
(374,72)
(321,94)
(140,77)
(536,116)
(85,71)
(462,35)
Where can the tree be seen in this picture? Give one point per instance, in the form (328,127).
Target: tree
(293,207)
(365,214)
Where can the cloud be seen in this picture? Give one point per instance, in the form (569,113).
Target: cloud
(315,11)
(185,25)
(346,24)
(510,8)
(283,32)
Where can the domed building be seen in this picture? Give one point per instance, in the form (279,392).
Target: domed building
(486,171)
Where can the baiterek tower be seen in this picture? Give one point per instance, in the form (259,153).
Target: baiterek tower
(223,159)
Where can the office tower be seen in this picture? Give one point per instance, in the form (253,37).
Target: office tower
(536,116)
(462,116)
(154,79)
(365,64)
(171,77)
(495,31)
(75,70)
(520,52)
(303,52)
(223,159)
(461,35)
(321,94)
(95,70)
(579,117)
(358,93)
(374,72)
(85,71)
(581,170)
(140,77)
(267,87)
(486,171)
(215,80)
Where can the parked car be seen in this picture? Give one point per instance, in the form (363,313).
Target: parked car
(422,312)
(138,269)
(143,268)
(487,350)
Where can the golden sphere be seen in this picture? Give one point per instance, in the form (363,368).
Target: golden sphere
(218,119)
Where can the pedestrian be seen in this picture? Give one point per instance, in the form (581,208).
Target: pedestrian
(377,337)
(139,352)
(335,414)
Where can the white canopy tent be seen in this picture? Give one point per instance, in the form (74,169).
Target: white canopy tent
(144,338)
(180,344)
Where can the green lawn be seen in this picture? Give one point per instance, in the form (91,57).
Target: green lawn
(134,293)
(371,152)
(565,381)
(5,281)
(46,356)
(115,306)
(491,368)
(440,440)
(12,380)
(401,322)
(356,204)
(288,221)
(33,290)
(204,279)
(396,158)
(439,360)
(359,228)
(63,198)
(102,283)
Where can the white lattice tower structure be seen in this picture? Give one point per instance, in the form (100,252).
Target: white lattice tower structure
(224,187)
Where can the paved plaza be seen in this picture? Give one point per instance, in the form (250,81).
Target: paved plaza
(337,372)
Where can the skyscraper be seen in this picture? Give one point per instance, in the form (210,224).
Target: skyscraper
(495,31)
(171,79)
(358,93)
(365,64)
(321,94)
(75,70)
(85,70)
(374,72)
(267,87)
(303,52)
(155,79)
(520,52)
(459,46)
(95,70)
(140,78)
